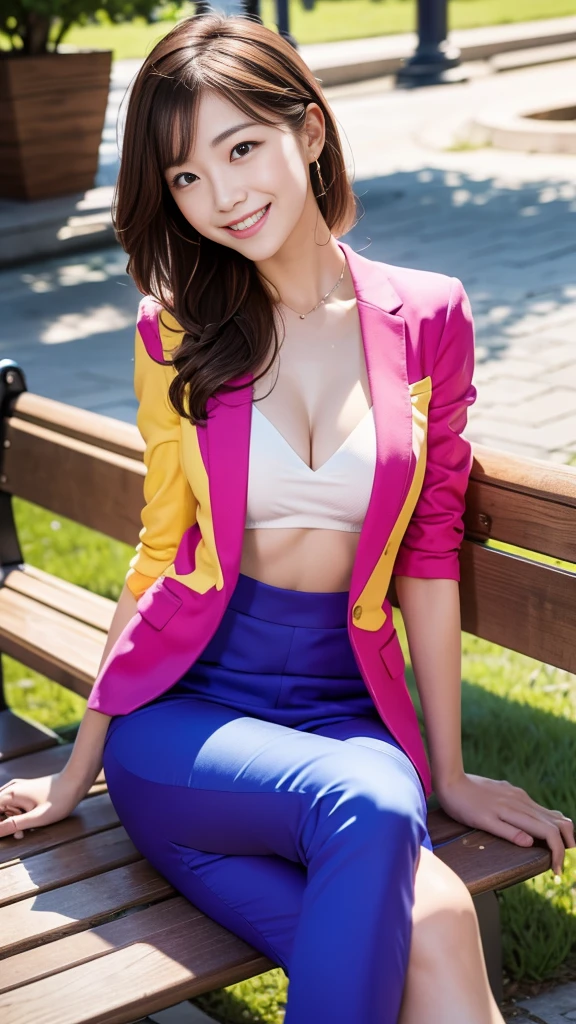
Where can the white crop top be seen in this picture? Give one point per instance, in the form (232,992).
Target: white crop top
(283,491)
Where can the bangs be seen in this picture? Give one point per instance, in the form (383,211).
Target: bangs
(173,118)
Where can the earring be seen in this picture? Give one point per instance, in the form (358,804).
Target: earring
(322,185)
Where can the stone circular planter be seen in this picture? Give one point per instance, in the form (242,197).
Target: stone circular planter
(534,131)
(52,110)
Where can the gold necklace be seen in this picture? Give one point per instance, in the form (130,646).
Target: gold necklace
(323,299)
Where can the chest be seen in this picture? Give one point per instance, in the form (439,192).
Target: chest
(316,393)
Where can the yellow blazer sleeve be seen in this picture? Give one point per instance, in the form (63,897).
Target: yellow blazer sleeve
(170,506)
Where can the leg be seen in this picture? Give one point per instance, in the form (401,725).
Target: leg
(447,979)
(187,776)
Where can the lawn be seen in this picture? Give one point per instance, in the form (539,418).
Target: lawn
(519,723)
(329,20)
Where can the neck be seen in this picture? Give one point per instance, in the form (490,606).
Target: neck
(304,268)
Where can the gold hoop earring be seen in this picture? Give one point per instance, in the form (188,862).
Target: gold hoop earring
(323,186)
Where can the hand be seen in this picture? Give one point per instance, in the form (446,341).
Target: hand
(35,802)
(497,806)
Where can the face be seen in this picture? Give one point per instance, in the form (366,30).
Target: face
(247,185)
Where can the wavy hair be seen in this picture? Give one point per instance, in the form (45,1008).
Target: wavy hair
(221,304)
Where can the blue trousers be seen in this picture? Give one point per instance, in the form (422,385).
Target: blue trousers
(266,788)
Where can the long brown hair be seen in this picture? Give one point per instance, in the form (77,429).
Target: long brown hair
(213,292)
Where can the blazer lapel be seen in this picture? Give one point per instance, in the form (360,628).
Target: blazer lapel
(383,336)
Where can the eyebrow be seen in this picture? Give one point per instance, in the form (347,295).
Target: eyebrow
(230,131)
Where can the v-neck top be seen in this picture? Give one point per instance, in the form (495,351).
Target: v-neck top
(283,491)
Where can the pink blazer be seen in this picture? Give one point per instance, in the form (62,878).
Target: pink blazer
(418,337)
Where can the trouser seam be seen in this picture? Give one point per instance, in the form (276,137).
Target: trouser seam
(234,910)
(277,704)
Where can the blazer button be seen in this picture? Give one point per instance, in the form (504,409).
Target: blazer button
(357,611)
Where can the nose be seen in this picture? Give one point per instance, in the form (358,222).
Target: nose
(228,193)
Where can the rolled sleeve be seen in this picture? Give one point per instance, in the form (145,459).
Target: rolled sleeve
(432,540)
(170,505)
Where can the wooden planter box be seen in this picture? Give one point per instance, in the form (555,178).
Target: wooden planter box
(52,111)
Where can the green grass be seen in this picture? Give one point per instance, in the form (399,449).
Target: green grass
(518,723)
(330,20)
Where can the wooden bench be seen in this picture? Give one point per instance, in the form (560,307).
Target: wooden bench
(81,910)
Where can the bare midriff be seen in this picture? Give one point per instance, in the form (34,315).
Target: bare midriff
(300,559)
(320,394)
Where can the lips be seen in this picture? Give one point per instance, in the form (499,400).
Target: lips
(247,221)
(256,220)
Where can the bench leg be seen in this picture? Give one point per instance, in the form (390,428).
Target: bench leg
(488,912)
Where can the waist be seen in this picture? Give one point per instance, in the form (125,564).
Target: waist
(302,559)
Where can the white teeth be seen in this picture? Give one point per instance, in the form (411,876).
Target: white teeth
(249,221)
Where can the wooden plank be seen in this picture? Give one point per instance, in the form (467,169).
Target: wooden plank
(67,475)
(18,736)
(534,523)
(65,649)
(485,862)
(43,762)
(153,959)
(176,915)
(72,908)
(443,828)
(93,814)
(91,427)
(537,477)
(73,601)
(67,863)
(522,605)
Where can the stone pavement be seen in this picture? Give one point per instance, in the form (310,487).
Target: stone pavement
(504,222)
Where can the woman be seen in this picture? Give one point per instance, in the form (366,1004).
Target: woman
(302,408)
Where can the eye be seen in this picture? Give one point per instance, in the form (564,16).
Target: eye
(241,145)
(183,174)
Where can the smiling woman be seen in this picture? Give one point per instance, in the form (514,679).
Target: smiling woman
(251,710)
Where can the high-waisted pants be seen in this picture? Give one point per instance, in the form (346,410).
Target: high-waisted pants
(266,789)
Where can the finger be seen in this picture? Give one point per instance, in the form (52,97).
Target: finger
(541,827)
(31,819)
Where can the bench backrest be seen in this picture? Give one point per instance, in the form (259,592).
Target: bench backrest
(89,468)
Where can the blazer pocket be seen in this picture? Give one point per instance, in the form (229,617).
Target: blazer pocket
(393,656)
(158,604)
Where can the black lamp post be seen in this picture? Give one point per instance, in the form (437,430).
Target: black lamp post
(435,61)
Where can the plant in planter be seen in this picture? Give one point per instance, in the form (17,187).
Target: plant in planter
(52,104)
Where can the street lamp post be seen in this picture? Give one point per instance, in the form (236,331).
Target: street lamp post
(435,61)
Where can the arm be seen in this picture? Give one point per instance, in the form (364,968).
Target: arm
(85,761)
(431,613)
(427,571)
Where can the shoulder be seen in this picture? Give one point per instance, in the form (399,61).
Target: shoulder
(427,295)
(158,330)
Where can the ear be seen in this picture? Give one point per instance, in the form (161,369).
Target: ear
(314,131)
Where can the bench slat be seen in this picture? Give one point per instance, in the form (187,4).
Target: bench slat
(522,605)
(64,474)
(67,863)
(18,736)
(91,815)
(43,762)
(91,427)
(485,862)
(57,594)
(65,649)
(71,908)
(171,956)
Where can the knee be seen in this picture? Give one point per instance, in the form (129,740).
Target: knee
(385,810)
(445,923)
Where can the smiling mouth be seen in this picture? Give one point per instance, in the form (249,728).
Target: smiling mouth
(252,219)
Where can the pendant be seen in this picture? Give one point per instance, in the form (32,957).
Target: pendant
(302,316)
